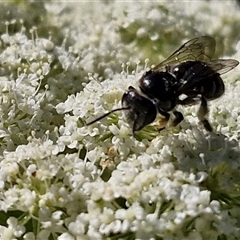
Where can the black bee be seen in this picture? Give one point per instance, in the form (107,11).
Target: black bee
(188,76)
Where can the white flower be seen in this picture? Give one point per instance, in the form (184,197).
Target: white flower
(17,230)
(74,181)
(67,236)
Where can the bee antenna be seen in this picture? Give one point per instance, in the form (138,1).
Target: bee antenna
(106,114)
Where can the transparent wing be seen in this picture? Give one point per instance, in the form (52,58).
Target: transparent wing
(222,65)
(197,49)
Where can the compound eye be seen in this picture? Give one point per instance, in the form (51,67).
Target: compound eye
(142,111)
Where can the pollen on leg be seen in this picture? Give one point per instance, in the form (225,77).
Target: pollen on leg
(161,122)
(202,112)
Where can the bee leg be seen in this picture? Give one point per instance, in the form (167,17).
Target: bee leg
(166,115)
(190,100)
(178,118)
(202,112)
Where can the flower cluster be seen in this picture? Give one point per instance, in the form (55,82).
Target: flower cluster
(61,179)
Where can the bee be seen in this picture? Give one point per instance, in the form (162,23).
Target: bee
(188,76)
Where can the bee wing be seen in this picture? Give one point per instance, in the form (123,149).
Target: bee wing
(197,49)
(222,65)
